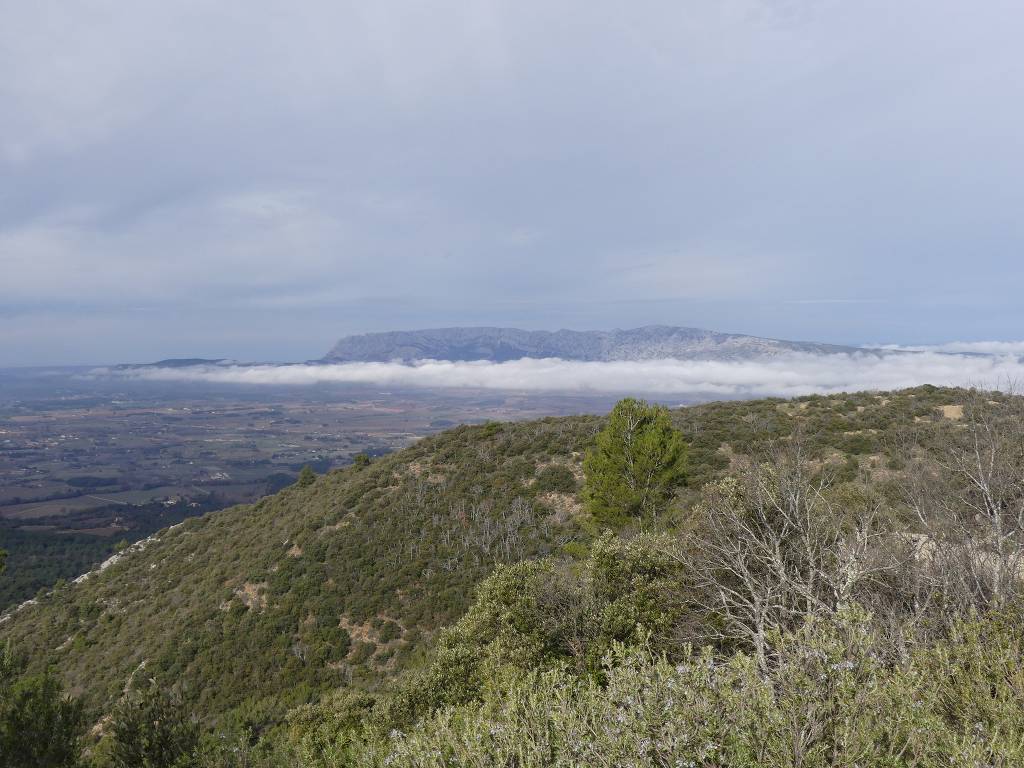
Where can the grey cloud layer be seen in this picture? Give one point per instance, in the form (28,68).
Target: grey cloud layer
(747,165)
(970,347)
(790,375)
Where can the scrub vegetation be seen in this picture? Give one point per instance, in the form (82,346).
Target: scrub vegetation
(814,582)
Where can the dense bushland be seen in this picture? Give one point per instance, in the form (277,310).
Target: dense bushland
(830,698)
(325,583)
(800,620)
(824,581)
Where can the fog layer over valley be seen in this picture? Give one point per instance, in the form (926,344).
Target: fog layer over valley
(787,374)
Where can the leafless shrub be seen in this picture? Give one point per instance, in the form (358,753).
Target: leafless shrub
(970,507)
(780,543)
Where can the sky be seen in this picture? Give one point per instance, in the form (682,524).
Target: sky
(255,179)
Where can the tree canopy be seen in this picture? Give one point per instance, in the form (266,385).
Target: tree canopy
(306,477)
(636,463)
(39,725)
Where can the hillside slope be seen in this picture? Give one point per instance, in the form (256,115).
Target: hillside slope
(314,585)
(345,581)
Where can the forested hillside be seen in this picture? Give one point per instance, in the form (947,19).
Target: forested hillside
(327,598)
(316,585)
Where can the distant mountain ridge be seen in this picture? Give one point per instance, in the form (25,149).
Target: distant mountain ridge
(175,362)
(651,342)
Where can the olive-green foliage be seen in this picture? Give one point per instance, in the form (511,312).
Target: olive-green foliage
(362,652)
(39,725)
(252,603)
(248,610)
(527,616)
(636,463)
(558,478)
(326,733)
(150,728)
(386,630)
(35,560)
(306,477)
(38,558)
(831,700)
(249,738)
(870,422)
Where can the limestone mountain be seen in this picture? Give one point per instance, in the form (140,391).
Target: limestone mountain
(501,344)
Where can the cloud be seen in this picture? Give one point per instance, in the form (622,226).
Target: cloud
(836,301)
(790,375)
(573,163)
(964,347)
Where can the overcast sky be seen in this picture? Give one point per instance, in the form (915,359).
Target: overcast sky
(253,179)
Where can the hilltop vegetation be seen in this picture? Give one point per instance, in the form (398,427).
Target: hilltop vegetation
(38,559)
(85,463)
(829,699)
(321,584)
(820,555)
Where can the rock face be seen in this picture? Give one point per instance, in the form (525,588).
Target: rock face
(499,344)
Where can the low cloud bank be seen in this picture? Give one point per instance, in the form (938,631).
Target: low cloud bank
(790,375)
(964,347)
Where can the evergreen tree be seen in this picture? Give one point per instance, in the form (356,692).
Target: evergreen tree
(637,462)
(150,728)
(39,725)
(306,477)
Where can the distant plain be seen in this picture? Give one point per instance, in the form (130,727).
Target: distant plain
(88,462)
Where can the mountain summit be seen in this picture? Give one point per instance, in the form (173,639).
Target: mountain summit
(651,342)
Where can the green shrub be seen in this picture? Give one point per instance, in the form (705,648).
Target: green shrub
(830,700)
(39,725)
(150,728)
(361,652)
(558,478)
(388,631)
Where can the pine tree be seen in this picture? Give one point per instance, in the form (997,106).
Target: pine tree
(636,464)
(40,726)
(151,728)
(306,477)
